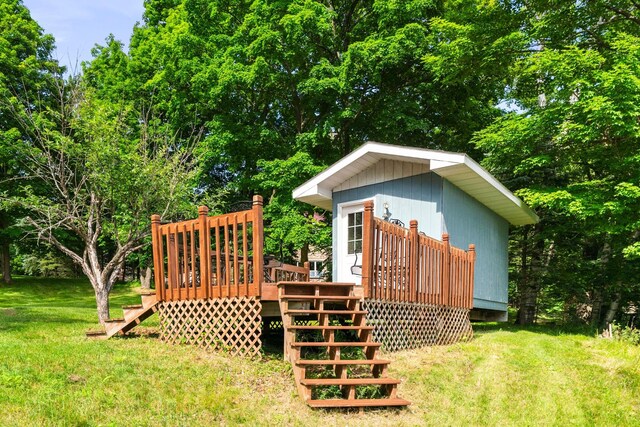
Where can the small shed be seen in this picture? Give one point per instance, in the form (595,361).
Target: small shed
(446,192)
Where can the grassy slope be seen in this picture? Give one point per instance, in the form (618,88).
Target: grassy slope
(50,374)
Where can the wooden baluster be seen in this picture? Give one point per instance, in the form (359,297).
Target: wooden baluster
(219,259)
(245,253)
(156,245)
(446,270)
(414,246)
(192,241)
(205,251)
(236,254)
(367,248)
(185,259)
(472,264)
(227,253)
(258,255)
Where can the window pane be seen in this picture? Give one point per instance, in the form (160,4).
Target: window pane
(358,246)
(358,233)
(351,234)
(358,218)
(351,220)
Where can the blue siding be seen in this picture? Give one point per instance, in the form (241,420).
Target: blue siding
(468,221)
(417,197)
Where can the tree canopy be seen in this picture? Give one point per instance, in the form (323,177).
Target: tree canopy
(544,92)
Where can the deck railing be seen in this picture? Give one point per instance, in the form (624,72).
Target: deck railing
(399,264)
(209,257)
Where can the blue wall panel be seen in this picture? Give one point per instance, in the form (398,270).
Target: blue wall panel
(439,207)
(468,221)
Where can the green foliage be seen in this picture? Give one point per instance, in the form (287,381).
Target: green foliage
(291,225)
(27,71)
(571,148)
(626,334)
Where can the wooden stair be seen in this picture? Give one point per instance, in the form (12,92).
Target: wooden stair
(133,316)
(334,359)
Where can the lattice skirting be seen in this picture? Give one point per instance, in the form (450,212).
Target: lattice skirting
(230,324)
(401,325)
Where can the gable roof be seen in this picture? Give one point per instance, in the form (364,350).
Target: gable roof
(457,168)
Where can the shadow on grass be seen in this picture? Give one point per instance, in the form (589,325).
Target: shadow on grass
(482,328)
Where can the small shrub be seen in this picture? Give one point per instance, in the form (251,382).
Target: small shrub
(625,333)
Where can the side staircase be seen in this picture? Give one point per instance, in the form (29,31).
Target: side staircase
(326,339)
(133,316)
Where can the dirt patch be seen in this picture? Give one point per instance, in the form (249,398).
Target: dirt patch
(9,311)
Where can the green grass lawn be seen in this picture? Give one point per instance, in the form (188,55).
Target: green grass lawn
(50,374)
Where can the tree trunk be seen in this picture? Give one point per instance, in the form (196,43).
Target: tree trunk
(304,253)
(5,261)
(102,301)
(613,309)
(528,293)
(145,281)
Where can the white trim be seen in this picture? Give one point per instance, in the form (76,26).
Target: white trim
(344,261)
(458,168)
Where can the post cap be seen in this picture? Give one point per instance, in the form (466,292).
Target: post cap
(155,218)
(203,210)
(445,237)
(413,223)
(257,200)
(368,205)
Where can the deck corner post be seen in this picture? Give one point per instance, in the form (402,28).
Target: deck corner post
(446,270)
(307,266)
(205,251)
(472,264)
(367,248)
(156,242)
(414,244)
(258,244)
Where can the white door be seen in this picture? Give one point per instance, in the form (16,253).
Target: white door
(349,246)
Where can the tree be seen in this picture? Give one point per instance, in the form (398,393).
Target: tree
(26,69)
(97,180)
(571,150)
(269,80)
(292,225)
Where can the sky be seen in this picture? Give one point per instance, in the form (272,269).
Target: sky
(78,25)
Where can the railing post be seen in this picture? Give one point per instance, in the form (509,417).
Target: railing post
(156,242)
(205,251)
(472,263)
(307,267)
(367,248)
(446,270)
(414,243)
(258,248)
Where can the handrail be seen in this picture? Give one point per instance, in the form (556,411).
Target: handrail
(209,257)
(401,265)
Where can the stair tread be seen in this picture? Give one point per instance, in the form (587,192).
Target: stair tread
(132,306)
(330,328)
(348,381)
(342,362)
(321,297)
(335,344)
(325,312)
(114,320)
(311,284)
(354,403)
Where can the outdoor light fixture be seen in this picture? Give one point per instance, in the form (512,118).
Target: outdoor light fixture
(386,215)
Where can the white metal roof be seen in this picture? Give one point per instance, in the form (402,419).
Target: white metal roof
(457,168)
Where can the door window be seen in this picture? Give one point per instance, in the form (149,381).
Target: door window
(354,233)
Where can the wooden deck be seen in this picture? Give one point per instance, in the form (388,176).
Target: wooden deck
(222,257)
